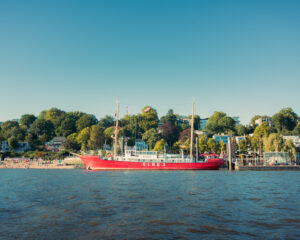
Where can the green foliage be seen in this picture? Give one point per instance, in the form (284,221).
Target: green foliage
(107,121)
(169,132)
(86,120)
(108,133)
(83,137)
(12,142)
(34,141)
(241,130)
(96,137)
(212,145)
(273,143)
(43,129)
(244,146)
(151,137)
(285,120)
(202,144)
(71,143)
(262,130)
(159,146)
(12,128)
(169,117)
(27,120)
(220,123)
(149,119)
(55,116)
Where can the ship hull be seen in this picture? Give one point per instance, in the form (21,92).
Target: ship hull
(95,163)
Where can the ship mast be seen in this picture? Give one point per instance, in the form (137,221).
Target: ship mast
(116,129)
(192,131)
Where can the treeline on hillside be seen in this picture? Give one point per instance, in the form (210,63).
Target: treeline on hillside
(85,132)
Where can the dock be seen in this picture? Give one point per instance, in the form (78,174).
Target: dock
(268,168)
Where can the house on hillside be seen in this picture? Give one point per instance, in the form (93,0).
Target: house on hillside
(55,145)
(21,147)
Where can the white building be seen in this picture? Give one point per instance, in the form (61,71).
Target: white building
(294,139)
(267,120)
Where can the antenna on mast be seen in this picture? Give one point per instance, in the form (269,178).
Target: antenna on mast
(192,130)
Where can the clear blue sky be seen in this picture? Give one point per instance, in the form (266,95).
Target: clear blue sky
(240,57)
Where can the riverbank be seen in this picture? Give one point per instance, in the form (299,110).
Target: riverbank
(268,168)
(69,163)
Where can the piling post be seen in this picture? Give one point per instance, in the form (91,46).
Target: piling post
(229,154)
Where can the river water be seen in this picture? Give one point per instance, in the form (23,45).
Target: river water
(76,204)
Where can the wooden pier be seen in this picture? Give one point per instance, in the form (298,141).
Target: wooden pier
(268,168)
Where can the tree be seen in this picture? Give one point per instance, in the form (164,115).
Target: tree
(289,147)
(96,137)
(212,145)
(27,120)
(86,120)
(169,117)
(202,144)
(83,137)
(262,130)
(285,120)
(159,146)
(241,130)
(108,133)
(107,121)
(149,119)
(55,115)
(67,126)
(71,143)
(42,127)
(34,141)
(12,142)
(151,137)
(169,132)
(220,123)
(12,128)
(184,135)
(273,143)
(243,146)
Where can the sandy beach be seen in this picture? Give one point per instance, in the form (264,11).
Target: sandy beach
(68,163)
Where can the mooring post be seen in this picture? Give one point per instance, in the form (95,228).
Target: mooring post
(229,154)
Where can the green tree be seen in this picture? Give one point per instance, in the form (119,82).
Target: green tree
(241,130)
(212,145)
(262,130)
(169,132)
(107,121)
(169,117)
(220,123)
(202,144)
(289,147)
(67,126)
(34,141)
(71,143)
(55,115)
(151,137)
(86,120)
(108,133)
(243,146)
(27,120)
(12,142)
(273,143)
(96,137)
(285,120)
(42,127)
(159,146)
(12,128)
(149,119)
(83,137)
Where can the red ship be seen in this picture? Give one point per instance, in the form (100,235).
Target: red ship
(150,160)
(138,159)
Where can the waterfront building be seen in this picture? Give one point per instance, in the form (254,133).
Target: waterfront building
(295,139)
(203,122)
(239,138)
(276,158)
(237,120)
(141,145)
(21,147)
(267,120)
(55,145)
(221,137)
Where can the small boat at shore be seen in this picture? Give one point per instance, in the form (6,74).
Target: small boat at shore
(134,159)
